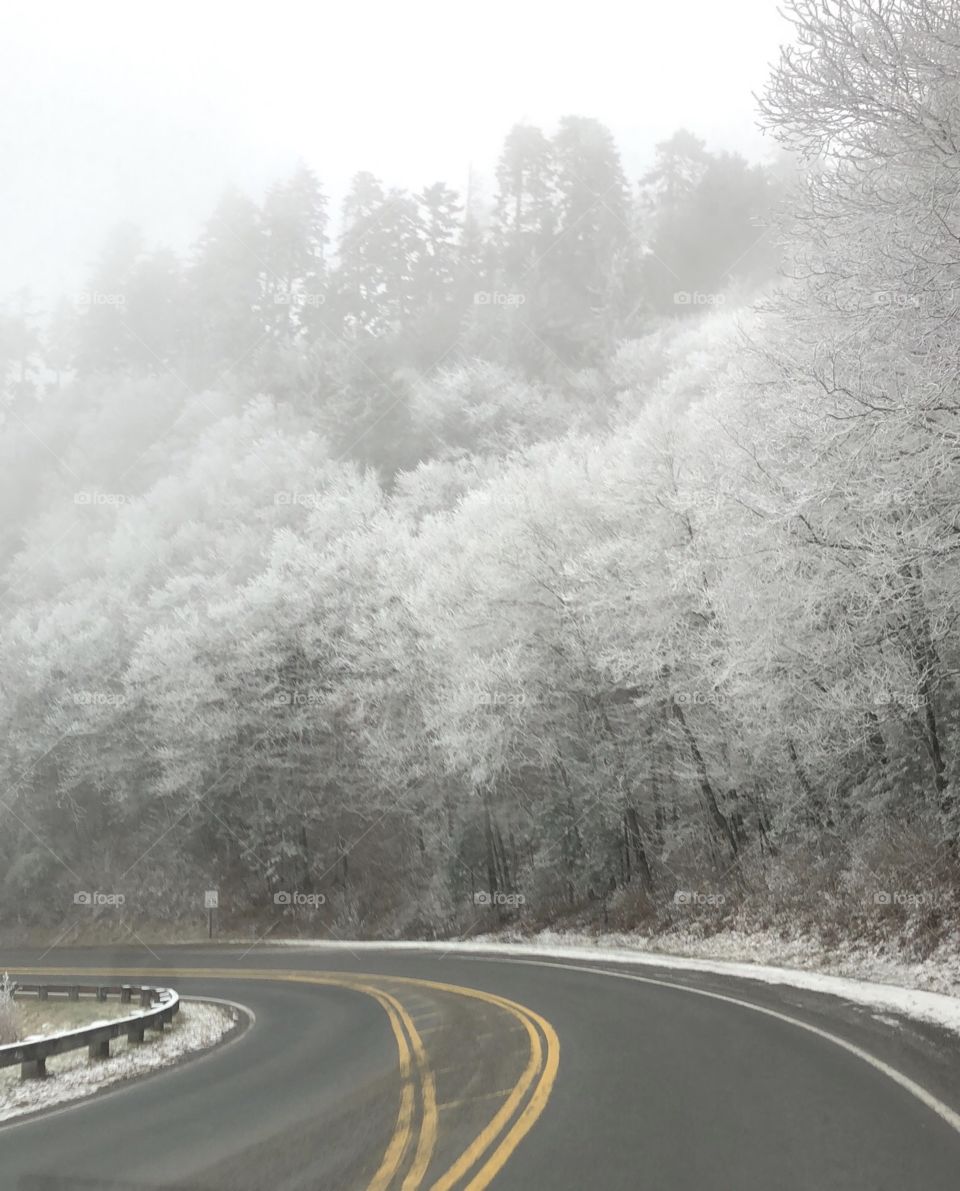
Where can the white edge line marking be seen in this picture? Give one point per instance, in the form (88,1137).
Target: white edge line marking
(935,1008)
(243,1009)
(944,1111)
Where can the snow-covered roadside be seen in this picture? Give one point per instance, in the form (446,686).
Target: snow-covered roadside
(72,1076)
(864,978)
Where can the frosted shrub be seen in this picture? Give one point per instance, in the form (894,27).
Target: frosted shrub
(9,1012)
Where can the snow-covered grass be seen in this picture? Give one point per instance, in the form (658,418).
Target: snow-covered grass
(52,1017)
(938,972)
(198,1026)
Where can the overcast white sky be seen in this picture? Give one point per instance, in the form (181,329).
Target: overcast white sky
(144,111)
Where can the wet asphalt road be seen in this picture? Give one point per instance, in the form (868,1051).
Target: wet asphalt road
(653,1086)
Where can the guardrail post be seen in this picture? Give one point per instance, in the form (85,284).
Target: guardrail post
(158,1008)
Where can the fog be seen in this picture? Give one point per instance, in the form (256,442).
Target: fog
(114,111)
(482,469)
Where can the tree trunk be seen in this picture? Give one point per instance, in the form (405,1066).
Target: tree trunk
(635,845)
(713,807)
(816,809)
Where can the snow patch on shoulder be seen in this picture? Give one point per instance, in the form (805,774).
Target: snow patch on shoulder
(920,1004)
(72,1076)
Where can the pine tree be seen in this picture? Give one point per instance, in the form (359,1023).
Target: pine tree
(295,241)
(227,288)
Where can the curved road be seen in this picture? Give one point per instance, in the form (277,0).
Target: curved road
(389,1070)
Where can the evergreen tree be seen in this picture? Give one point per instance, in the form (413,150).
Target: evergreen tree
(227,289)
(294,223)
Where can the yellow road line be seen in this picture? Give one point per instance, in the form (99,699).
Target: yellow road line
(546,1069)
(398,1143)
(429,1121)
(429,1124)
(396,1020)
(489,1134)
(534,1107)
(530,1115)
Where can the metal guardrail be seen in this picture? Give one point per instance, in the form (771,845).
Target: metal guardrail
(158,1007)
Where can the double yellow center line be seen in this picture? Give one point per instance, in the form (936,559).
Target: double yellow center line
(489,1151)
(522,1108)
(408,1040)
